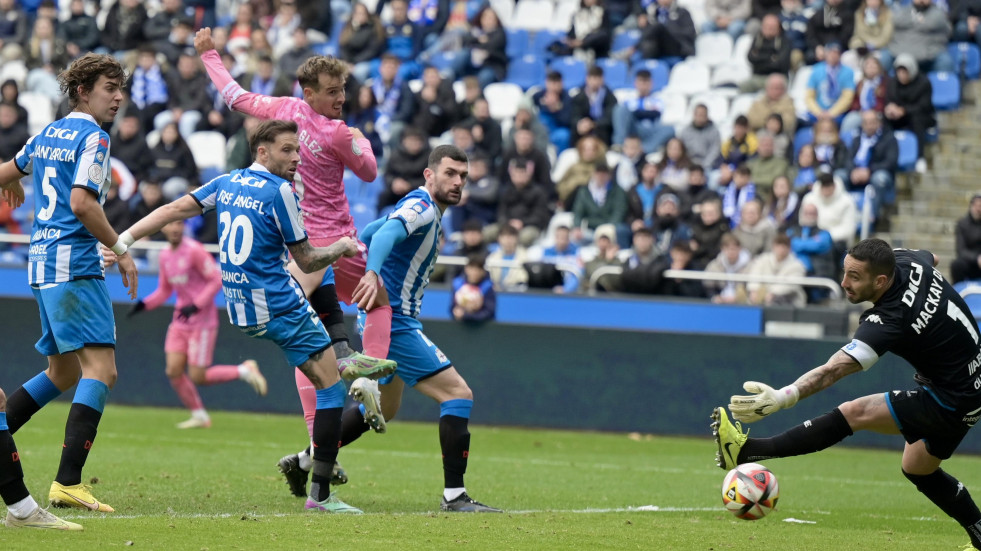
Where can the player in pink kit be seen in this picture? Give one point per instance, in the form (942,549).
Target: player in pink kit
(327,146)
(186,267)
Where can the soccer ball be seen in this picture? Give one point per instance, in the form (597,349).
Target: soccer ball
(750,491)
(469,297)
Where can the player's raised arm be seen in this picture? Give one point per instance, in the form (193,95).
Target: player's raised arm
(181,209)
(235,97)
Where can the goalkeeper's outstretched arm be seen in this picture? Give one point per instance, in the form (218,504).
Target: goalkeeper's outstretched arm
(837,367)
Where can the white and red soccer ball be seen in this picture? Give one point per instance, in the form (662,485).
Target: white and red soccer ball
(750,491)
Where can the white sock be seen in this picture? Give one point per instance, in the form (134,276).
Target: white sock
(243,371)
(23,508)
(306,462)
(200,414)
(449,494)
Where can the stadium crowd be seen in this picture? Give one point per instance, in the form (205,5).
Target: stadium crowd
(736,136)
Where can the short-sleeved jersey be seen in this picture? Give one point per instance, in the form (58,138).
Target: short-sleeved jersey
(70,152)
(258,216)
(406,270)
(923,320)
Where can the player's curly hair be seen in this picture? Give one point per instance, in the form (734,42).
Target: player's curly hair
(267,132)
(309,72)
(85,71)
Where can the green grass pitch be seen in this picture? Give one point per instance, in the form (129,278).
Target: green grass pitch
(219,489)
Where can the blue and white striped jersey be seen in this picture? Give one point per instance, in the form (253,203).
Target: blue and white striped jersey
(406,270)
(258,216)
(70,152)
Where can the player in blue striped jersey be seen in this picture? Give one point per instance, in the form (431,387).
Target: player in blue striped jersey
(68,162)
(260,222)
(402,250)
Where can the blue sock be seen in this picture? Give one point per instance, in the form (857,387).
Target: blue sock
(92,393)
(3,421)
(41,389)
(459,408)
(332,396)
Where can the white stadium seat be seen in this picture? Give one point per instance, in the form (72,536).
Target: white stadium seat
(717,104)
(533,15)
(208,148)
(713,49)
(40,110)
(689,77)
(503,99)
(675,108)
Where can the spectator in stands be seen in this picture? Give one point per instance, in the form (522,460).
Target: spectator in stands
(296,52)
(833,23)
(669,227)
(451,17)
(644,268)
(244,23)
(471,239)
(524,203)
(870,93)
(123,29)
(45,57)
(598,202)
(768,55)
(147,87)
(524,118)
(487,134)
(404,171)
(129,145)
(239,153)
(814,248)
(472,91)
(873,28)
(641,115)
(157,29)
(564,251)
(922,30)
(966,19)
(732,259)
(737,193)
(680,257)
(433,107)
(607,255)
(13,25)
(766,167)
(707,231)
(507,278)
(590,34)
(474,299)
(794,24)
(702,139)
(151,197)
(282,26)
(804,171)
(777,262)
(392,94)
(364,116)
(180,40)
(831,87)
(524,148)
(12,135)
(909,104)
(117,210)
(591,150)
(362,40)
(642,198)
(188,96)
(204,12)
(481,195)
(484,49)
(592,110)
(666,32)
(173,163)
(627,168)
(555,110)
(872,159)
(755,231)
(783,205)
(727,16)
(80,31)
(674,165)
(836,209)
(829,150)
(735,151)
(774,100)
(698,193)
(783,145)
(967,263)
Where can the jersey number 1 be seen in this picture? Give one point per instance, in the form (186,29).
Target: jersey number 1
(229,252)
(957,314)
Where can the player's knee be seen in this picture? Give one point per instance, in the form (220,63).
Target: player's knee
(854,412)
(3,401)
(198,375)
(463,392)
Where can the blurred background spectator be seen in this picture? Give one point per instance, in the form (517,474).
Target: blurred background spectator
(967,263)
(473,294)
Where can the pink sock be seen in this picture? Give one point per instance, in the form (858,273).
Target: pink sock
(220,374)
(378,332)
(187,392)
(308,399)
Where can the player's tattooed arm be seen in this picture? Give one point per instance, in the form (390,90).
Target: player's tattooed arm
(311,259)
(821,377)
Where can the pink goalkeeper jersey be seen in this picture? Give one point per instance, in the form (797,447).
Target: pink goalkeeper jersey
(326,147)
(193,273)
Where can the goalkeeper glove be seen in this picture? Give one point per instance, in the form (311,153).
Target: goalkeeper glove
(764,401)
(136,309)
(187,311)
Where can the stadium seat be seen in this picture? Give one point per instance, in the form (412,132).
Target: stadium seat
(625,94)
(208,149)
(740,50)
(689,77)
(443,61)
(697,10)
(848,136)
(675,108)
(732,73)
(802,137)
(504,10)
(798,89)
(966,56)
(573,71)
(533,15)
(325,48)
(503,99)
(15,70)
(740,105)
(973,298)
(717,104)
(946,90)
(415,85)
(565,160)
(40,110)
(526,71)
(660,72)
(624,40)
(615,73)
(562,16)
(713,49)
(460,90)
(518,43)
(907,150)
(542,40)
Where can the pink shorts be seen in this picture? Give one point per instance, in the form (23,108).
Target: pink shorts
(349,270)
(197,344)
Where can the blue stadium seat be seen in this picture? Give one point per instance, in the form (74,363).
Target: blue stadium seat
(325,48)
(802,137)
(624,40)
(518,43)
(615,72)
(659,72)
(967,54)
(848,137)
(907,150)
(443,61)
(573,71)
(973,300)
(209,173)
(946,90)
(526,71)
(541,42)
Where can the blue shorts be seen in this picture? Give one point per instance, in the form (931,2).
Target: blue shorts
(74,315)
(299,334)
(417,356)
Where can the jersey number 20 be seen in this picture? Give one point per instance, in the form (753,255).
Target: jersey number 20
(229,236)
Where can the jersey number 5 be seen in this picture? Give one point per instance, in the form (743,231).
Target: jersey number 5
(957,314)
(237,255)
(49,192)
